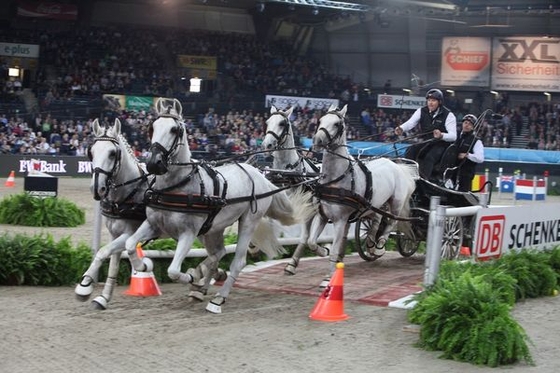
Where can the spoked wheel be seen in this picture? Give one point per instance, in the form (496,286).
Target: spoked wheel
(362,228)
(452,237)
(406,246)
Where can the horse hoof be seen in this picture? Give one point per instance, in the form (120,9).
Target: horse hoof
(322,251)
(195,295)
(82,298)
(215,305)
(99,304)
(84,289)
(379,252)
(220,275)
(148,264)
(290,269)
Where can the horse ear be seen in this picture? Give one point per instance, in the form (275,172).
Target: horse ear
(159,105)
(332,107)
(273,109)
(97,131)
(343,111)
(117,127)
(178,107)
(289,111)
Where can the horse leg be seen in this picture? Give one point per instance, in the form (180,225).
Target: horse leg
(340,228)
(184,244)
(321,251)
(246,230)
(100,302)
(144,233)
(84,289)
(208,268)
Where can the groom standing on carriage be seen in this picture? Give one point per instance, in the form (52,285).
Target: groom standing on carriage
(437,130)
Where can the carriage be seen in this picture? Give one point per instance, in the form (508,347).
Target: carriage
(457,230)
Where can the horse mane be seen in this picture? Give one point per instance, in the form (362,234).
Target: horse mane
(126,146)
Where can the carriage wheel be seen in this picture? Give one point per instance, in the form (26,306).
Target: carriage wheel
(361,231)
(407,246)
(452,237)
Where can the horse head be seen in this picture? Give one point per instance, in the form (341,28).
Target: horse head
(278,129)
(105,157)
(332,129)
(167,135)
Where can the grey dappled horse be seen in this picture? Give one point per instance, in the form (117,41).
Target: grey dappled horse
(190,199)
(349,188)
(279,139)
(118,182)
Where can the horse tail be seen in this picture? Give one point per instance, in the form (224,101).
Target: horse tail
(265,240)
(297,208)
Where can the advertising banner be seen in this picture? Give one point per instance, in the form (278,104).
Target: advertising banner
(197,62)
(400,101)
(526,64)
(19,50)
(313,103)
(501,229)
(465,61)
(48,10)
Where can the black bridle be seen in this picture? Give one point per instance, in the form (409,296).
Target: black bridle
(177,140)
(340,126)
(98,170)
(281,139)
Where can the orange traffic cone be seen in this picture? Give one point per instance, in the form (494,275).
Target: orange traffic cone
(11,180)
(465,251)
(330,305)
(142,284)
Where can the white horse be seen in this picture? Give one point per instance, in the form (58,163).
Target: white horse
(190,199)
(279,139)
(119,182)
(351,188)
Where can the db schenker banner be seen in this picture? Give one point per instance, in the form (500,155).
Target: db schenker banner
(465,61)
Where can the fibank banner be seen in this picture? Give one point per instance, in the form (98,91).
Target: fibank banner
(400,101)
(501,229)
(465,61)
(52,165)
(526,64)
(285,102)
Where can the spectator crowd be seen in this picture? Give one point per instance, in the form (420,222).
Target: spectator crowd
(88,62)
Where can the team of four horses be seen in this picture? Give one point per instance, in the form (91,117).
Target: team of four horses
(173,195)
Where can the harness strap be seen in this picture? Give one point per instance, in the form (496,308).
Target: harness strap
(125,210)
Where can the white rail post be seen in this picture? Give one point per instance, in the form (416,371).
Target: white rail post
(500,170)
(436,223)
(486,178)
(534,196)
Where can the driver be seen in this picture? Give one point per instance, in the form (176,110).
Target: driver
(438,129)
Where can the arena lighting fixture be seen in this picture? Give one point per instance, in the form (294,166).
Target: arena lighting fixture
(407,91)
(427,4)
(450,91)
(195,85)
(494,93)
(548,95)
(13,72)
(326,4)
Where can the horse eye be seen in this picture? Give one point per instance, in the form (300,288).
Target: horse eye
(112,154)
